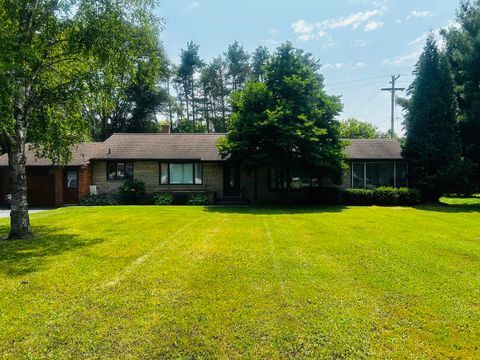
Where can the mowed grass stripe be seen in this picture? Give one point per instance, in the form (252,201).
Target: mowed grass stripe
(361,282)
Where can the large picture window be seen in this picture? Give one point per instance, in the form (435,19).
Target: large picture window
(369,175)
(181,173)
(120,170)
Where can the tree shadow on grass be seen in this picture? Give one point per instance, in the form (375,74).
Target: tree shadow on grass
(445,208)
(21,257)
(274,209)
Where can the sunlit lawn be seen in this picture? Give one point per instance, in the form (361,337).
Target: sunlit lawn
(193,282)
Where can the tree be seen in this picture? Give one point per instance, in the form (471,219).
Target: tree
(190,64)
(463,52)
(259,61)
(432,146)
(238,66)
(50,54)
(355,129)
(287,122)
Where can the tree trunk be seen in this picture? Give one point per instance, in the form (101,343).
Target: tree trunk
(19,218)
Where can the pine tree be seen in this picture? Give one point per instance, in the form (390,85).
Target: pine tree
(432,145)
(463,51)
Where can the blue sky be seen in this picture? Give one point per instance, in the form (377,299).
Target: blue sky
(359,42)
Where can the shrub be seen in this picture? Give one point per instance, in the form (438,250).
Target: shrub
(106,199)
(163,199)
(385,196)
(358,197)
(198,200)
(381,196)
(408,196)
(132,192)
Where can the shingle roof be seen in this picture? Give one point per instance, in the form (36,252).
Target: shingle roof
(80,155)
(373,149)
(192,147)
(162,146)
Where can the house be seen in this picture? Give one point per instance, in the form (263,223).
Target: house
(188,163)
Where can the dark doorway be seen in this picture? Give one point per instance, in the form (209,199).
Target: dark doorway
(231,179)
(70,186)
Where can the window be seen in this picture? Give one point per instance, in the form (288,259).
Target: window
(181,173)
(120,170)
(358,175)
(71,179)
(401,171)
(370,175)
(380,174)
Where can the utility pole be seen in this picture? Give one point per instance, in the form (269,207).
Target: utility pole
(392,90)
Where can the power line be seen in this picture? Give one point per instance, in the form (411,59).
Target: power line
(358,80)
(367,102)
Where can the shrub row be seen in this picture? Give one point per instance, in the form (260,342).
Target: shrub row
(381,196)
(133,193)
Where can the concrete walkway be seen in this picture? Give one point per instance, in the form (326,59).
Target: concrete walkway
(6,213)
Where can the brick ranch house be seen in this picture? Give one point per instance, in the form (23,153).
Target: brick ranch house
(187,163)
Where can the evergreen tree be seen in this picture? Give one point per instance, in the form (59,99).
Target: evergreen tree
(287,123)
(238,66)
(463,51)
(432,145)
(190,65)
(259,61)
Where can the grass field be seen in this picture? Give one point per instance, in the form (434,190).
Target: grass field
(193,282)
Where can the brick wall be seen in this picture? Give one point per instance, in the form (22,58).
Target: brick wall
(58,187)
(84,181)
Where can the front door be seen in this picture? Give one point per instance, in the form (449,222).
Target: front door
(70,186)
(231,179)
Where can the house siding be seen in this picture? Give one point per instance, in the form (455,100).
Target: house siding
(149,173)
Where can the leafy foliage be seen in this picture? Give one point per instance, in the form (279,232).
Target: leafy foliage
(432,146)
(286,122)
(163,199)
(355,129)
(198,199)
(463,52)
(382,196)
(104,199)
(358,197)
(132,192)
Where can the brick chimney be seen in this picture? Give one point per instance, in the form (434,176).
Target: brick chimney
(165,129)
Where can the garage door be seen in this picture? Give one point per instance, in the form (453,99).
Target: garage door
(41,187)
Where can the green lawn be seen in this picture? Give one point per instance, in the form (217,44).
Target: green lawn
(193,282)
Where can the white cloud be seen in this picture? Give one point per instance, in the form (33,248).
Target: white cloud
(307,30)
(419,14)
(347,66)
(193,5)
(373,25)
(358,44)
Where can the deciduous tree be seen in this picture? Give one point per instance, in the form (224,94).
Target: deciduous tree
(50,54)
(287,123)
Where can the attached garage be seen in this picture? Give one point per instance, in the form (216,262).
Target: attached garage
(41,187)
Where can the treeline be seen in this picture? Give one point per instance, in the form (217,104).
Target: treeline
(443,112)
(199,91)
(192,96)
